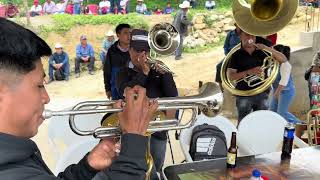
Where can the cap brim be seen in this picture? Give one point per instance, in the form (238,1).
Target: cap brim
(140,45)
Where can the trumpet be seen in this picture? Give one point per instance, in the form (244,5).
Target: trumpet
(209,102)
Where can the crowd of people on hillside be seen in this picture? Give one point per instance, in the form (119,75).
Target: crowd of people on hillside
(104,7)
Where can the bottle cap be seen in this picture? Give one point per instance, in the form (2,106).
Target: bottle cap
(256,173)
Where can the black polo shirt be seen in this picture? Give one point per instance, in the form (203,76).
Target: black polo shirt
(156,84)
(241,60)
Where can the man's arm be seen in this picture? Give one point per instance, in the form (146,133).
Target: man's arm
(107,73)
(234,75)
(226,46)
(51,60)
(131,163)
(66,59)
(184,20)
(78,51)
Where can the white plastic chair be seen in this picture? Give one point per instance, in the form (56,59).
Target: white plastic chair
(60,136)
(74,154)
(221,122)
(261,132)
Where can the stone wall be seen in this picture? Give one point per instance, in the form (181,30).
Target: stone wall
(210,27)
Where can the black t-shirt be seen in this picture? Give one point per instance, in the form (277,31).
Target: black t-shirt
(241,60)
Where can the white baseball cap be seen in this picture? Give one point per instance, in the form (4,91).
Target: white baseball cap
(58,45)
(109,33)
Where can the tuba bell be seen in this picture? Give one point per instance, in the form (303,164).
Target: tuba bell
(259,18)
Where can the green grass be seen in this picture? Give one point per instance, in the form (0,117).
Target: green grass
(64,22)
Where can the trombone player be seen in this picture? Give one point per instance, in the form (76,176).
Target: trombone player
(23,97)
(248,61)
(157,84)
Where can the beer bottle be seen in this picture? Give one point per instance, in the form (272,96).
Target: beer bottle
(232,152)
(287,140)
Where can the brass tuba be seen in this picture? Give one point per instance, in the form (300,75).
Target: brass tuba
(259,18)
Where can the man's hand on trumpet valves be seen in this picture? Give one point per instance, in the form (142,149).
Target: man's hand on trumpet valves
(137,112)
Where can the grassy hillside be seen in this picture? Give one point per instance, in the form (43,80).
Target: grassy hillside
(221,4)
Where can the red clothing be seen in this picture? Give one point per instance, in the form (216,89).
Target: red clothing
(273,38)
(12,11)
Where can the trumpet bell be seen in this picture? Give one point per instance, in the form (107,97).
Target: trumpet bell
(164,39)
(263,17)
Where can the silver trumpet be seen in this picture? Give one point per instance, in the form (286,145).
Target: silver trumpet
(209,102)
(163,39)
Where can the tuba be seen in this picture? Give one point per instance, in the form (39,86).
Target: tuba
(259,18)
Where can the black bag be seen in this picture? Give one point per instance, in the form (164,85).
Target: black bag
(58,75)
(207,142)
(307,73)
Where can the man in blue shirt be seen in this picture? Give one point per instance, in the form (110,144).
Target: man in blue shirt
(168,9)
(59,62)
(84,54)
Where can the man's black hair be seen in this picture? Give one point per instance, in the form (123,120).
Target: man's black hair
(122,26)
(20,48)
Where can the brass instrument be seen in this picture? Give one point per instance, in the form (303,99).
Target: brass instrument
(259,18)
(163,39)
(209,101)
(263,17)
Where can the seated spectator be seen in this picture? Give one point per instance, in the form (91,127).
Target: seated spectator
(104,7)
(59,67)
(61,7)
(49,7)
(36,9)
(210,4)
(168,9)
(107,42)
(77,6)
(141,8)
(148,12)
(158,11)
(12,10)
(124,6)
(84,54)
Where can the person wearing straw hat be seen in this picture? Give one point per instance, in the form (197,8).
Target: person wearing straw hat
(181,22)
(107,42)
(141,8)
(59,68)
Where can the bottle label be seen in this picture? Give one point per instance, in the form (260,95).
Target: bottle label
(231,158)
(289,134)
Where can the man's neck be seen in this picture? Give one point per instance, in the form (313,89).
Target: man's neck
(123,46)
(250,50)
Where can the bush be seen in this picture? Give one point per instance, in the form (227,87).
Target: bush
(64,22)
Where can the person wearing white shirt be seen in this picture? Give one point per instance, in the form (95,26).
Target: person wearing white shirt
(141,7)
(49,7)
(283,89)
(61,7)
(36,9)
(210,4)
(104,7)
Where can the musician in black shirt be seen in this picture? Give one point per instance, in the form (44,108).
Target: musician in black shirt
(157,84)
(248,61)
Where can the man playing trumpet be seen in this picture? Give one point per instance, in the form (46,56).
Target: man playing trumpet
(248,61)
(22,100)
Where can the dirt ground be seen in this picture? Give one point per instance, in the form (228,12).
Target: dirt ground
(188,71)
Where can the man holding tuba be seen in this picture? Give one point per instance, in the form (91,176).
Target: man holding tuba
(248,60)
(157,84)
